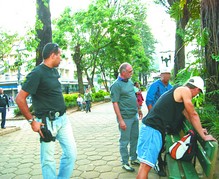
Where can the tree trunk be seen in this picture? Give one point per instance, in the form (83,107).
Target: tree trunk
(210,21)
(179,60)
(77,59)
(45,34)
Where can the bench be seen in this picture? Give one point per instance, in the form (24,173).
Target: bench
(206,156)
(107,98)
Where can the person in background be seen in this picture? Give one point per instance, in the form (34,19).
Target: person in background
(158,87)
(155,90)
(138,94)
(80,102)
(51,121)
(168,112)
(126,108)
(87,99)
(4,102)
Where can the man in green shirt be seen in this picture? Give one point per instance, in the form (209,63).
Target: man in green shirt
(126,108)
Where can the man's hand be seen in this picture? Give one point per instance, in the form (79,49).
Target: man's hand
(209,137)
(122,125)
(36,127)
(140,114)
(205,131)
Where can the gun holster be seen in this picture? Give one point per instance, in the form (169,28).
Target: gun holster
(46,132)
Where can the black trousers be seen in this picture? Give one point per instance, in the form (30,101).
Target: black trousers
(3,111)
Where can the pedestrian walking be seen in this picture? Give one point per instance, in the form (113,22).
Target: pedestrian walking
(51,121)
(87,99)
(126,108)
(4,103)
(138,94)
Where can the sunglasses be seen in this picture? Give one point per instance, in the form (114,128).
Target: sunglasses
(55,48)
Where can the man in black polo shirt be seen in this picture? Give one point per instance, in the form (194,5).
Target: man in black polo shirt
(168,112)
(3,104)
(51,121)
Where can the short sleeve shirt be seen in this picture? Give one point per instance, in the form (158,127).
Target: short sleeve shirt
(43,85)
(155,91)
(123,93)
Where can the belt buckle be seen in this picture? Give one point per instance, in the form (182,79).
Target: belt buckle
(57,114)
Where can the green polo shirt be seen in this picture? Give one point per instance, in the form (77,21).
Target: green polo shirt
(123,93)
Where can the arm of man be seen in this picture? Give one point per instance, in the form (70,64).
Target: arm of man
(192,115)
(186,115)
(7,101)
(22,104)
(151,96)
(119,116)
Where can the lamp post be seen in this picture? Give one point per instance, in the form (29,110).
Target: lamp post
(166,60)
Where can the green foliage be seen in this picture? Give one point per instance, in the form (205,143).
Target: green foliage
(176,10)
(99,96)
(70,100)
(215,57)
(143,88)
(198,100)
(204,38)
(7,42)
(17,111)
(192,69)
(209,116)
(93,90)
(107,33)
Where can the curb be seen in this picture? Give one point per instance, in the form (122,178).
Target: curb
(8,130)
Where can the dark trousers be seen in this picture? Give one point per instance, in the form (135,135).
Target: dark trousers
(87,106)
(3,111)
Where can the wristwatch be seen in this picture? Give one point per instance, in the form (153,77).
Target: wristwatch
(30,121)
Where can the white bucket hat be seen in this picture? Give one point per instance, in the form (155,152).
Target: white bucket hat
(165,70)
(198,82)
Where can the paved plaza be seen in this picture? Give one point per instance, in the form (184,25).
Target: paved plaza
(96,134)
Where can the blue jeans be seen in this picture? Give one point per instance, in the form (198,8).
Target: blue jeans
(87,106)
(129,137)
(61,128)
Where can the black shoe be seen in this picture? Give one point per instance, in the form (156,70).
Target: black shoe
(159,168)
(128,168)
(135,162)
(3,127)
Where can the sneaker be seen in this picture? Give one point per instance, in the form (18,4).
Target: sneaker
(135,162)
(159,168)
(128,168)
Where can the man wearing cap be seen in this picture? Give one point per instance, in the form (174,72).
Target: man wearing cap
(49,107)
(155,90)
(168,111)
(158,87)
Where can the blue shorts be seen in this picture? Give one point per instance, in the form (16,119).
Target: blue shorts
(149,145)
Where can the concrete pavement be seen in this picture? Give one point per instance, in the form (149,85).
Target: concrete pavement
(96,135)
